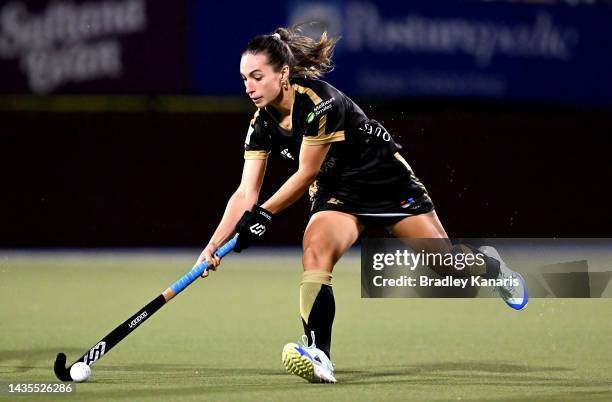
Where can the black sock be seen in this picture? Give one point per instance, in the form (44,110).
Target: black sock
(317,308)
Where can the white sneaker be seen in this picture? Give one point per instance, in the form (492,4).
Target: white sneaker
(514,296)
(308,362)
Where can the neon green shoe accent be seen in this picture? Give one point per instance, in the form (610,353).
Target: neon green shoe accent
(297,364)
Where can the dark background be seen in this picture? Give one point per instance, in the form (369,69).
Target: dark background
(155,178)
(517,146)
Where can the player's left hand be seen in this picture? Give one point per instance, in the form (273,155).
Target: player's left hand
(252,226)
(208,255)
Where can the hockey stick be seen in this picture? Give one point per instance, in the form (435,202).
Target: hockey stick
(116,335)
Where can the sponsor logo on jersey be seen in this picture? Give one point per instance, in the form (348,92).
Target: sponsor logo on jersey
(376,130)
(329,164)
(286,154)
(323,107)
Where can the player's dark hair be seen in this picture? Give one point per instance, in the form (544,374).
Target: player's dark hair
(303,55)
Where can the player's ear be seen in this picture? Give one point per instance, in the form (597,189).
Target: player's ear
(284,72)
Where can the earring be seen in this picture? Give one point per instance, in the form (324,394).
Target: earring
(285,85)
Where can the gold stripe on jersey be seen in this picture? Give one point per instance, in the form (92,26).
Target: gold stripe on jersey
(322,123)
(254,118)
(324,138)
(311,94)
(401,159)
(256,154)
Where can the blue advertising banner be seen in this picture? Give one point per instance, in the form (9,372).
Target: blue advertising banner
(508,51)
(555,54)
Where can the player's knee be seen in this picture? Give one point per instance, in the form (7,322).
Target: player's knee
(317,253)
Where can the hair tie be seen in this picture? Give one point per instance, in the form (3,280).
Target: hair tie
(277,36)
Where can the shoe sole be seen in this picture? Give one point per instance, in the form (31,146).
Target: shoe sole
(298,364)
(523,304)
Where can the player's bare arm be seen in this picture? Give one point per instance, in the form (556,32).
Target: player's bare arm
(311,159)
(243,199)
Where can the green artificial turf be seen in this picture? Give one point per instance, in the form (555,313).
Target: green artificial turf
(221,339)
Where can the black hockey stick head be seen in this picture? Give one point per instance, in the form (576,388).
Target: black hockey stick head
(61,372)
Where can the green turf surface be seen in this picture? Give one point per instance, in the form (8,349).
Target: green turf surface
(221,339)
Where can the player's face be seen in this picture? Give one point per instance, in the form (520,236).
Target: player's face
(262,83)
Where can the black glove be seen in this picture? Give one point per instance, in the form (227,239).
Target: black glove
(252,226)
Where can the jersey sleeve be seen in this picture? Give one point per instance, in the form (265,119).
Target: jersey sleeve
(256,145)
(325,123)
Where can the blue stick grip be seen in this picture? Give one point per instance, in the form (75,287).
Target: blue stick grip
(178,286)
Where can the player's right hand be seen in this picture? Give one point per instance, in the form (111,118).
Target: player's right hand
(208,254)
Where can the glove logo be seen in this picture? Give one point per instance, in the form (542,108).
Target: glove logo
(257,229)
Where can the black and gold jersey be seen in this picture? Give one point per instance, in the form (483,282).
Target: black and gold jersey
(362,155)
